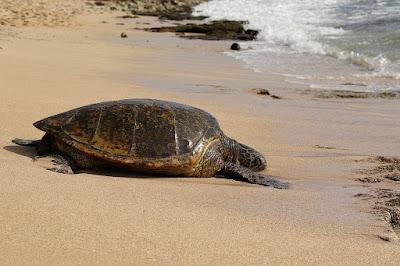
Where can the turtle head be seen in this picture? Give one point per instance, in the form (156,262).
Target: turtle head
(250,158)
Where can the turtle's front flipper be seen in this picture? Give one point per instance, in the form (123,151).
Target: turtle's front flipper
(240,172)
(26,142)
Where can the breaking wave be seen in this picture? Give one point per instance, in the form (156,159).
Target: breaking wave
(363,32)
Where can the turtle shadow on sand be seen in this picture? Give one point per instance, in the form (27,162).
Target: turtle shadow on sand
(145,136)
(21,150)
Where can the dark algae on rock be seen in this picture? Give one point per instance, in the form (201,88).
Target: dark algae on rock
(348,94)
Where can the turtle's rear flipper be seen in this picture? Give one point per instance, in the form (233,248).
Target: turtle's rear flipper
(239,172)
(61,165)
(57,163)
(26,142)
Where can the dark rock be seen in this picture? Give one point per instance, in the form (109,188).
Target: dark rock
(235,46)
(262,92)
(251,32)
(124,35)
(370,179)
(265,92)
(347,94)
(276,97)
(178,16)
(194,28)
(228,26)
(162,29)
(216,30)
(362,195)
(389,237)
(393,176)
(128,16)
(99,3)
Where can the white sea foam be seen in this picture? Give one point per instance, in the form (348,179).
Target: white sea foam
(319,27)
(295,24)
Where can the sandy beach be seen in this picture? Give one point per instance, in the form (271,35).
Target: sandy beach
(319,145)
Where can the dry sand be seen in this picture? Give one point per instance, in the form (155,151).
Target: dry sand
(49,218)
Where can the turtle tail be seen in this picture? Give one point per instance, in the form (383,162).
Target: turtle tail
(26,142)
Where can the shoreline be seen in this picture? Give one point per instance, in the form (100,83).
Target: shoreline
(296,40)
(89,218)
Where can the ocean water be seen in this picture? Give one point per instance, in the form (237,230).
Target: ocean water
(327,44)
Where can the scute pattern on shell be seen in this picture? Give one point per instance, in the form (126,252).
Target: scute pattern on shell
(135,128)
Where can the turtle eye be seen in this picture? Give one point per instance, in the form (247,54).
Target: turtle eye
(186,143)
(189,143)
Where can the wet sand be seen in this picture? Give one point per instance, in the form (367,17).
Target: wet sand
(50,218)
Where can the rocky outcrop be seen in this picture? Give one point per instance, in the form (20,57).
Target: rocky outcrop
(168,9)
(215,30)
(181,10)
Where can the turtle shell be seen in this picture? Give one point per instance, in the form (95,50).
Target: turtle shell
(137,133)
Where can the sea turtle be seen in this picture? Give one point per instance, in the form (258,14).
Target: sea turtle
(148,136)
